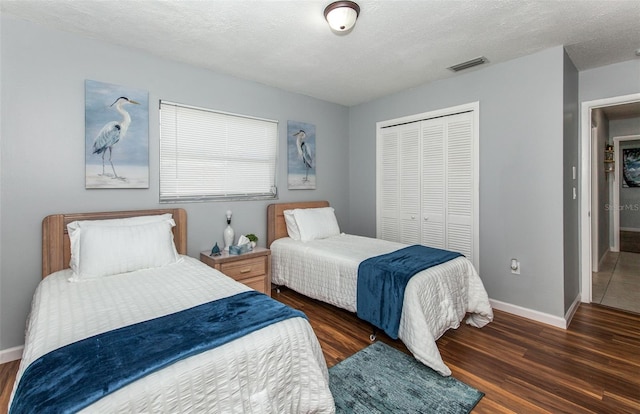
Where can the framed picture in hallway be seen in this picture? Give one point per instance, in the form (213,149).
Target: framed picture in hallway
(116,136)
(301,154)
(631,167)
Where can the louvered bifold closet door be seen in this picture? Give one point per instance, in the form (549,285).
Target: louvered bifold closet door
(459,187)
(410,170)
(433,183)
(427,184)
(388,226)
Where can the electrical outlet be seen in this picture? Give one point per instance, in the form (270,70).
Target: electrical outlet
(515,266)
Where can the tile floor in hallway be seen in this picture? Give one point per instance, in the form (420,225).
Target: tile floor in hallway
(617,284)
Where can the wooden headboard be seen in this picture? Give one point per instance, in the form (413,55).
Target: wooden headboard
(56,247)
(276,227)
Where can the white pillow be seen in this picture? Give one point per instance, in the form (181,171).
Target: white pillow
(316,223)
(73,229)
(106,247)
(292,226)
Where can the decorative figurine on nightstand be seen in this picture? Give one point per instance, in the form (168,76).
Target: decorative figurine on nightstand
(229,234)
(215,251)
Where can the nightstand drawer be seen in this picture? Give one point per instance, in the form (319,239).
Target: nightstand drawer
(245,269)
(256,283)
(252,269)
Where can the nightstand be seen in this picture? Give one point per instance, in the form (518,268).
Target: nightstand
(252,269)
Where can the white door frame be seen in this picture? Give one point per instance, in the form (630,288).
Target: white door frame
(616,187)
(585,186)
(595,204)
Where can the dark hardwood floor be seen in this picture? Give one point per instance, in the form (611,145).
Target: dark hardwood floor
(7,377)
(522,366)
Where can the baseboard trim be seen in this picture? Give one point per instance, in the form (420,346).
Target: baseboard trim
(572,310)
(535,315)
(604,256)
(11,354)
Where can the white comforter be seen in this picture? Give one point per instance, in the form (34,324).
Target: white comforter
(278,369)
(435,300)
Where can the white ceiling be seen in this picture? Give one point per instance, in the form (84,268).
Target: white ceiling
(395,45)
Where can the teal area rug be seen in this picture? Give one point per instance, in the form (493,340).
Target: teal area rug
(381,379)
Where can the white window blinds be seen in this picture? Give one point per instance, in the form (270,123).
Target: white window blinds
(209,155)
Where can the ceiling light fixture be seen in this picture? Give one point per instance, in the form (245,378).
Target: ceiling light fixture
(342,15)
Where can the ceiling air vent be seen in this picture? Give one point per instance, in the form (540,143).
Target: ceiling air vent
(468,64)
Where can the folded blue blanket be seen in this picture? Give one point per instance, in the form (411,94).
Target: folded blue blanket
(383,279)
(74,376)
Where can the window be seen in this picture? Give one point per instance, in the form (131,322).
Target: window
(209,155)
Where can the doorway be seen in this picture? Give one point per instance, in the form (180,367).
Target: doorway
(626,191)
(598,250)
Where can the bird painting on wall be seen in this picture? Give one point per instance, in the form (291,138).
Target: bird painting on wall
(113,132)
(301,150)
(116,133)
(304,152)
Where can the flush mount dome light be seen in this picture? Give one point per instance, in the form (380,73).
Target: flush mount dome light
(342,15)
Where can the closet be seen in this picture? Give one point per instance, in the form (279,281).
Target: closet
(427,181)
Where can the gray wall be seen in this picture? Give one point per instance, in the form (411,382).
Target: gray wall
(571,184)
(523,185)
(42,169)
(623,127)
(609,81)
(603,211)
(521,170)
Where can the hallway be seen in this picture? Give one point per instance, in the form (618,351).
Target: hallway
(618,282)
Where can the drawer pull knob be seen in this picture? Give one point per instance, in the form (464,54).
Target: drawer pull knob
(247,270)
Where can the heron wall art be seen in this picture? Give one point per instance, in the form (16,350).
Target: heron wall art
(116,136)
(301,151)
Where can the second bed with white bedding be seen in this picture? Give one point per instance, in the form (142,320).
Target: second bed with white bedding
(435,300)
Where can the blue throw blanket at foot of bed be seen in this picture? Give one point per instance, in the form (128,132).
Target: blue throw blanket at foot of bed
(74,376)
(383,279)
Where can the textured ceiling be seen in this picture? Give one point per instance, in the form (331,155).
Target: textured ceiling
(395,45)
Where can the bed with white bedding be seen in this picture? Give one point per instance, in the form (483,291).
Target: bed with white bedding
(326,268)
(277,369)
